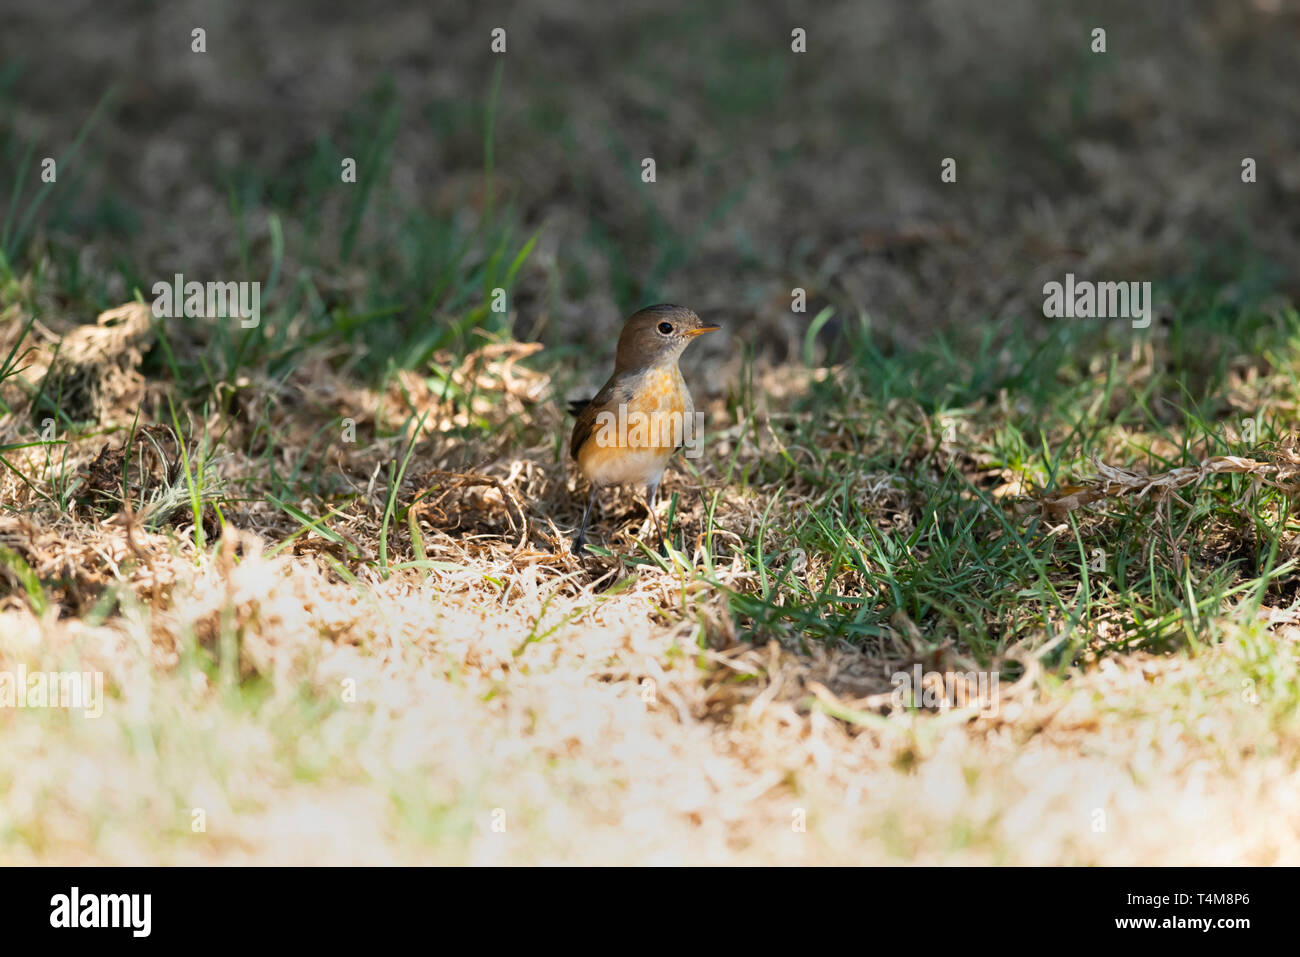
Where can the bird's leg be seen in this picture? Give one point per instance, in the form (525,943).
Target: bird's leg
(582,532)
(651,494)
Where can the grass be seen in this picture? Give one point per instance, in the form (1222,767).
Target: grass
(895,495)
(888,482)
(328,586)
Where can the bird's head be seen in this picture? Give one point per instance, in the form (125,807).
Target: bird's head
(657,335)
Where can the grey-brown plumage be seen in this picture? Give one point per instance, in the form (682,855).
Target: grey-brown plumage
(645,373)
(641,346)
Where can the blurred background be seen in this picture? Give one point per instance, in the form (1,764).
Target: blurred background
(774,169)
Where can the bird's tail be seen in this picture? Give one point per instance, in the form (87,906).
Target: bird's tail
(577,405)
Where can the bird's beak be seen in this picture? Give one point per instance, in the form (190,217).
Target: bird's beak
(692,333)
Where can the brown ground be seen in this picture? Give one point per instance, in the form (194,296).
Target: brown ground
(635,727)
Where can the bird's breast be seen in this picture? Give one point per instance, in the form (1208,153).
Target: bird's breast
(660,393)
(632,441)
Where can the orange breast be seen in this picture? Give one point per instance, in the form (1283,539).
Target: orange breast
(636,448)
(660,403)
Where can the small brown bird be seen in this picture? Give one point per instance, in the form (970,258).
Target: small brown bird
(629,431)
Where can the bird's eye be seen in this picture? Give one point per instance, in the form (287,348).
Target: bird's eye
(666,328)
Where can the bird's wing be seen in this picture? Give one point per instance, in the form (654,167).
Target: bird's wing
(609,395)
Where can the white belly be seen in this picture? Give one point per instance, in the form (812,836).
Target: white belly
(627,467)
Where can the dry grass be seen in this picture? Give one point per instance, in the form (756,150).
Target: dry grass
(324,568)
(319,710)
(610,739)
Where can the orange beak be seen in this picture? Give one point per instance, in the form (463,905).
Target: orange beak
(692,333)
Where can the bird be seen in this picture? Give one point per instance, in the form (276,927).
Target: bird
(626,434)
